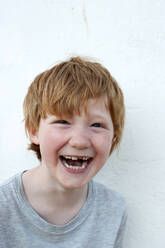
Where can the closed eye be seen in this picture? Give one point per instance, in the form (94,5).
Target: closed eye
(97,125)
(61,122)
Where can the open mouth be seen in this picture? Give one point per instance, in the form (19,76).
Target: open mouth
(75,163)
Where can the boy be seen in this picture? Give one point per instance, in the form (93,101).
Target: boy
(74,116)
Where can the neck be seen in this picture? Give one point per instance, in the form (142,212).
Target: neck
(41,187)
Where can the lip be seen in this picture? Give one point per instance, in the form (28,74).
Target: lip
(77,156)
(78,171)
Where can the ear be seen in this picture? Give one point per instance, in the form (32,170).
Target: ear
(114,139)
(113,143)
(33,136)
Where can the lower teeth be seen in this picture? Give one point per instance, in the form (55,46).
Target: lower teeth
(84,164)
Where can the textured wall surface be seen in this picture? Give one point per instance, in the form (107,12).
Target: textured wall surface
(128,37)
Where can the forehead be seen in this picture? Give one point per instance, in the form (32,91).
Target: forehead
(94,107)
(97,108)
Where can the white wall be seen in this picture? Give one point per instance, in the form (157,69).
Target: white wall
(128,37)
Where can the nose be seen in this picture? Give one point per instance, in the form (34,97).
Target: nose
(80,139)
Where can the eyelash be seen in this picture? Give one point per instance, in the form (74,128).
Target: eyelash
(62,122)
(97,125)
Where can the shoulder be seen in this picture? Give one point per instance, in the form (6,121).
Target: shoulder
(7,189)
(109,199)
(6,184)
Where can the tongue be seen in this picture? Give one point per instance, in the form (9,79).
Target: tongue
(74,162)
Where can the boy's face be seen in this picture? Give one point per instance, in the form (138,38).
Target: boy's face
(74,149)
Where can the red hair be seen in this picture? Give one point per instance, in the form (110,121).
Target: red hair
(66,87)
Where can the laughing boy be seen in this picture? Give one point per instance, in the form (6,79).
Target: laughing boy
(74,117)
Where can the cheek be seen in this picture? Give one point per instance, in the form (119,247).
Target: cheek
(50,143)
(106,142)
(104,145)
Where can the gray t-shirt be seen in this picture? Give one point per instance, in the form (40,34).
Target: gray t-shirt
(99,224)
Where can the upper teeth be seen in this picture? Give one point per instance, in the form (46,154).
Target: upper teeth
(76,158)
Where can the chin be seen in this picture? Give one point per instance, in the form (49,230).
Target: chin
(72,186)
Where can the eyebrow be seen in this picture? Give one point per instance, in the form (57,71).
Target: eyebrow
(51,117)
(100,117)
(91,116)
